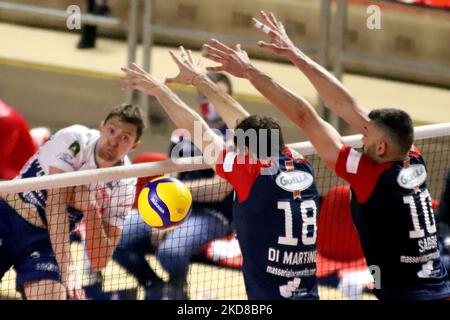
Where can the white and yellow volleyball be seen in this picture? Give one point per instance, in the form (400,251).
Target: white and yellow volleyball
(165,203)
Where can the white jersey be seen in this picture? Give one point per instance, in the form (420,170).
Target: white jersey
(73,149)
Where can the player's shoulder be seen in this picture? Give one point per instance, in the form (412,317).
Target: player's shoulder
(414,152)
(78,130)
(295,156)
(78,133)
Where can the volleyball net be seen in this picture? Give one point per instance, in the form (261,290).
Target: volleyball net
(214,268)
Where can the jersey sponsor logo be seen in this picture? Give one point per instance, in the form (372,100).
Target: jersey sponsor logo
(428,271)
(294,180)
(289,273)
(48,266)
(75,148)
(420,259)
(65,157)
(412,177)
(291,288)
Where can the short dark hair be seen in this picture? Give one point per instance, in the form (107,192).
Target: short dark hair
(131,114)
(258,123)
(221,77)
(397,124)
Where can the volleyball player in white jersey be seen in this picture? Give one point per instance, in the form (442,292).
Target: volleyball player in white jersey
(35,226)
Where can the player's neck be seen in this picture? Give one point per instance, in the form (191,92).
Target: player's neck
(389,158)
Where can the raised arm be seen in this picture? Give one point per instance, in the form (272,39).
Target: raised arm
(183,117)
(191,74)
(323,136)
(332,91)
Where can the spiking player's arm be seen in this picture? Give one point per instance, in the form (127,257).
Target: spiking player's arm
(101,237)
(178,111)
(330,89)
(323,136)
(59,233)
(101,240)
(190,73)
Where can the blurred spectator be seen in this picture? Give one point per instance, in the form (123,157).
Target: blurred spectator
(16,143)
(89,32)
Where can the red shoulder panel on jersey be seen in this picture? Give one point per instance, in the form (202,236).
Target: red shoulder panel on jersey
(240,171)
(414,152)
(294,155)
(360,171)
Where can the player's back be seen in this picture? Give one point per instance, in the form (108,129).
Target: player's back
(276,228)
(398,233)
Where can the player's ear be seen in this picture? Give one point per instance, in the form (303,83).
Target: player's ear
(135,145)
(382,147)
(102,125)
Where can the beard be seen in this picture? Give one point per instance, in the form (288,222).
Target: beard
(370,151)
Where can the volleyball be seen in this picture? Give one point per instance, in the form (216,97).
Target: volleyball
(164,203)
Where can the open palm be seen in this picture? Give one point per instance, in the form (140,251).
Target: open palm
(280,43)
(234,61)
(188,69)
(137,79)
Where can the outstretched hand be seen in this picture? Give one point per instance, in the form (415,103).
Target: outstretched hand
(188,69)
(137,79)
(280,43)
(234,61)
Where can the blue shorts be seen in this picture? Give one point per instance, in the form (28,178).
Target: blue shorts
(25,247)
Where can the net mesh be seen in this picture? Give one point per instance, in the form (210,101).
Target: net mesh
(201,258)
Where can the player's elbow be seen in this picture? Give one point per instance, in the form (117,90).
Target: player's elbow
(300,117)
(304,118)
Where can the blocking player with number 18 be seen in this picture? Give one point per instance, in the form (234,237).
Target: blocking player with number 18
(391,205)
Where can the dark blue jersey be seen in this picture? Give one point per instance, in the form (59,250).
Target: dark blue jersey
(275,218)
(391,209)
(444,206)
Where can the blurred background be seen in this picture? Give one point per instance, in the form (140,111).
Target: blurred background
(54,83)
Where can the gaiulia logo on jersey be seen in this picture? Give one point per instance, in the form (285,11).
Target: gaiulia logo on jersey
(412,177)
(294,180)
